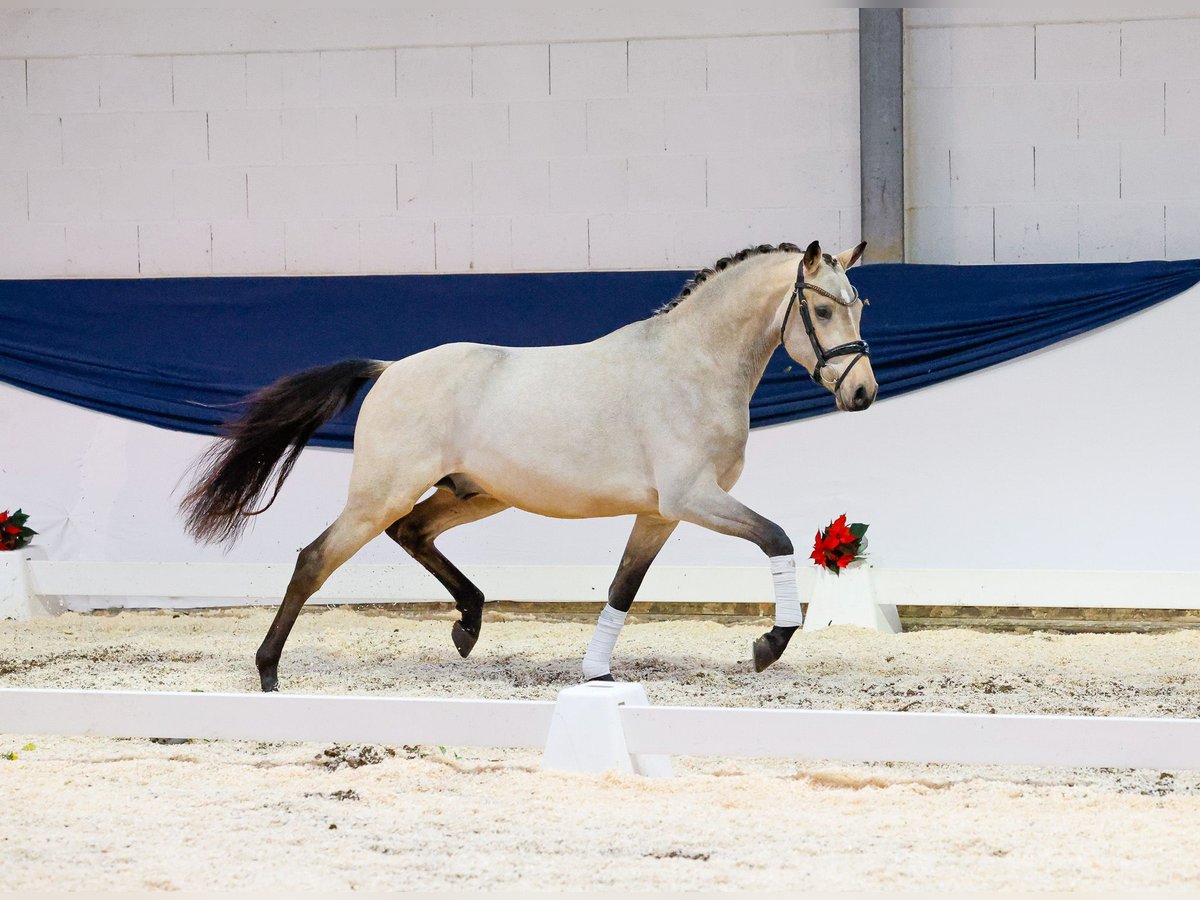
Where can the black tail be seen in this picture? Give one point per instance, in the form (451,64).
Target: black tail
(282,417)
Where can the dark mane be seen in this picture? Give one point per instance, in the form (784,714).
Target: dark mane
(719,266)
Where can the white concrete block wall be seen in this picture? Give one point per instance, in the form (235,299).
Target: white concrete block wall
(643,145)
(1051,136)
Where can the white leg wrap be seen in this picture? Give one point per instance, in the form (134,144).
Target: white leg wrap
(597,659)
(787,594)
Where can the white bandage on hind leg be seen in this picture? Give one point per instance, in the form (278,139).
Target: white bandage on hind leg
(597,659)
(787,594)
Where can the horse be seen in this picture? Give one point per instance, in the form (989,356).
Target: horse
(649,420)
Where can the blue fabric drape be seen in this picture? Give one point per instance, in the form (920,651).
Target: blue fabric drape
(180,352)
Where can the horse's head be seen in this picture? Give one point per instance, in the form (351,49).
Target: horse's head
(821,327)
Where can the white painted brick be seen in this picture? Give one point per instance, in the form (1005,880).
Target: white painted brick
(353,77)
(667,183)
(1162,49)
(14,196)
(703,238)
(927,176)
(941,235)
(425,74)
(511,72)
(452,242)
(209,82)
(283,80)
(584,71)
(1037,233)
(589,184)
(64,85)
(33,250)
(952,116)
(468,130)
(64,195)
(322,192)
(845,124)
(732,123)
(510,186)
(1079,52)
(122,139)
(1034,112)
(547,128)
(742,65)
(319,135)
(992,55)
(634,125)
(137,194)
(390,245)
(245,136)
(1121,232)
(550,242)
(927,57)
(630,241)
(822,61)
(1160,170)
(1183,110)
(434,188)
(135,82)
(479,244)
(1001,173)
(321,248)
(102,249)
(1078,170)
(1120,110)
(1183,230)
(800,180)
(392,133)
(210,193)
(12,84)
(175,248)
(247,248)
(669,68)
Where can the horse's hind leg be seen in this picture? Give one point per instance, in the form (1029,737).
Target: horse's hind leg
(416,533)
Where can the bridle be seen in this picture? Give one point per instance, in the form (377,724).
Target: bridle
(860,347)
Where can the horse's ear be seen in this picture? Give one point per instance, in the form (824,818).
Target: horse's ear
(812,257)
(849,257)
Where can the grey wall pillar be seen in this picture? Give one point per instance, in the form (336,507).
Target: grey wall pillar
(881,120)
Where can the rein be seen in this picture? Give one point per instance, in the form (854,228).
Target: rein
(860,347)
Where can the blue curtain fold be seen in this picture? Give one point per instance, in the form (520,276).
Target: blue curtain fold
(181,352)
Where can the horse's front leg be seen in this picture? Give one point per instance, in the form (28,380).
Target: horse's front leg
(711,507)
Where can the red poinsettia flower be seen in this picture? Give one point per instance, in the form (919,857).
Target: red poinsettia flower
(839,545)
(4,516)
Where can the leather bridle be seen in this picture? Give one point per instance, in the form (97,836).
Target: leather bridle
(859,348)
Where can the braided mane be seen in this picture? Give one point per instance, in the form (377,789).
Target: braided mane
(719,266)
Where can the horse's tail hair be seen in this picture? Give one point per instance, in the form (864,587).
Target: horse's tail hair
(236,470)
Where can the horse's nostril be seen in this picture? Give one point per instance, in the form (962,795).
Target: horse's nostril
(860,396)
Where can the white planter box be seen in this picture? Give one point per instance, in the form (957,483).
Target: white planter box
(17,598)
(849,599)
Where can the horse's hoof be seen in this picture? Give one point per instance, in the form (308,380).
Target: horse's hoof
(464,641)
(607,676)
(771,645)
(270,681)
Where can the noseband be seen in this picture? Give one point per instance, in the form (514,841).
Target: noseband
(859,348)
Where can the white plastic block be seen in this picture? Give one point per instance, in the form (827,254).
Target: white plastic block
(587,70)
(30,140)
(1160,49)
(435,188)
(510,71)
(247,248)
(589,184)
(395,246)
(123,139)
(135,82)
(353,77)
(33,250)
(209,194)
(175,248)
(99,249)
(950,235)
(209,82)
(556,241)
(547,128)
(743,65)
(245,137)
(321,248)
(1183,230)
(668,68)
(586,734)
(1082,171)
(667,183)
(12,84)
(18,600)
(470,130)
(64,195)
(626,126)
(319,135)
(1123,110)
(64,85)
(509,186)
(849,599)
(1159,170)
(14,196)
(1079,52)
(425,74)
(992,55)
(630,241)
(1001,173)
(1037,233)
(321,192)
(394,133)
(1183,110)
(283,80)
(927,57)
(1121,231)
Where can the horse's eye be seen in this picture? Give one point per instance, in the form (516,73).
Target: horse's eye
(824,312)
